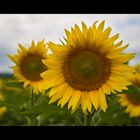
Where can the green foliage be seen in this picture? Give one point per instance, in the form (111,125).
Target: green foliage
(11,83)
(115,114)
(44,111)
(20,112)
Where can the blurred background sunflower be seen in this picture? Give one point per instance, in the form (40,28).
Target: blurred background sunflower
(29,65)
(132,100)
(2,109)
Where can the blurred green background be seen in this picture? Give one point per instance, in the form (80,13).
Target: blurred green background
(20,113)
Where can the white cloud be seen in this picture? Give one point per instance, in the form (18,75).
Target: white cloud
(23,28)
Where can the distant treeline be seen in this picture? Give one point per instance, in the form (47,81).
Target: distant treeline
(6,75)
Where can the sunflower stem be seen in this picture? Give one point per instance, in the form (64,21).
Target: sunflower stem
(88,118)
(92,118)
(77,119)
(32,105)
(93,122)
(32,99)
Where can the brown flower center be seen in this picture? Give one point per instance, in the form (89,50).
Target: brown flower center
(31,67)
(134,98)
(85,69)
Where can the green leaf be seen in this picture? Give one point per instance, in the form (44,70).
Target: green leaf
(115,114)
(41,108)
(14,99)
(11,83)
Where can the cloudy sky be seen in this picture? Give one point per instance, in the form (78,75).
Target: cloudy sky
(23,28)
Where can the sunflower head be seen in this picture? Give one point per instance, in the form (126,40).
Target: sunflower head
(1,97)
(132,100)
(2,111)
(87,67)
(29,65)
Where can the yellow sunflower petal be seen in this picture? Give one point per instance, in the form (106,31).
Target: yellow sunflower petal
(74,99)
(114,38)
(106,33)
(86,102)
(84,27)
(66,97)
(122,58)
(56,97)
(57,89)
(116,52)
(101,26)
(94,99)
(102,99)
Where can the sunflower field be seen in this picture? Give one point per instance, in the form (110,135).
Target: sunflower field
(86,80)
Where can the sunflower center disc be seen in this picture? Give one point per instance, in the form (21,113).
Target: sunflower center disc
(32,67)
(136,83)
(86,70)
(134,98)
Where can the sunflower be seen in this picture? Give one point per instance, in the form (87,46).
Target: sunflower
(86,68)
(2,109)
(137,68)
(1,87)
(1,97)
(29,65)
(132,100)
